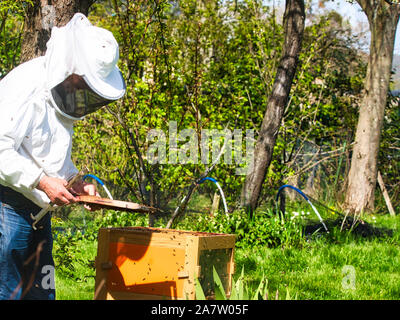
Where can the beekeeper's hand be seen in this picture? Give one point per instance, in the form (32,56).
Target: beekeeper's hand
(55,189)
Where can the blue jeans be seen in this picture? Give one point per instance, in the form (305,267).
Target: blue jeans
(26,262)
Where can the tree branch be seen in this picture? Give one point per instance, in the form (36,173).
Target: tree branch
(182,206)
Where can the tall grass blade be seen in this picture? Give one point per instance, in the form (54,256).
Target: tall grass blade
(218,287)
(259,290)
(199,290)
(241,290)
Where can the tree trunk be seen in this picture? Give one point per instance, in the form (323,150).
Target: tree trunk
(383,19)
(41,17)
(294,18)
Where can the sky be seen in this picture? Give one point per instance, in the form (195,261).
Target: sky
(350,11)
(353,12)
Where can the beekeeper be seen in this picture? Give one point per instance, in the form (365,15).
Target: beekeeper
(39,102)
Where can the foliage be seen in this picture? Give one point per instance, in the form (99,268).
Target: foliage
(11,25)
(120,219)
(67,254)
(264,229)
(211,64)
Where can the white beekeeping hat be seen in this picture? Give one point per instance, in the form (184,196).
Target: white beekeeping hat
(86,50)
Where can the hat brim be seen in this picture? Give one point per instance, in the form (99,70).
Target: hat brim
(111,88)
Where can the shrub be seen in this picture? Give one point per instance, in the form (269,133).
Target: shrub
(264,228)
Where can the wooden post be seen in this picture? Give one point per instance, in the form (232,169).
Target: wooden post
(215,203)
(385,195)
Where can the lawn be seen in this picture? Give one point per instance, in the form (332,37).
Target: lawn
(327,271)
(339,266)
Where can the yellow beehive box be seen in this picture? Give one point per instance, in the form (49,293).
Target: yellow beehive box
(151,263)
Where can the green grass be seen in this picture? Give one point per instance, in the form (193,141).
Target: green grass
(316,270)
(70,289)
(320,270)
(80,285)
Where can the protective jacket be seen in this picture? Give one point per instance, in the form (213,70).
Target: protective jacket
(35,139)
(35,135)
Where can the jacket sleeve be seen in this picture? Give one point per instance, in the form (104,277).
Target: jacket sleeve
(16,170)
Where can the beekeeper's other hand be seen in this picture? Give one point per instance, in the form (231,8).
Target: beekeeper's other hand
(56,190)
(84,188)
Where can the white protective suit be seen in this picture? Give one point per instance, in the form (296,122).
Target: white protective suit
(35,136)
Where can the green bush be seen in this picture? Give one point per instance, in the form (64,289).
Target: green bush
(67,253)
(264,229)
